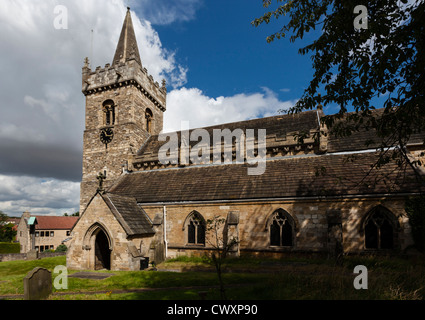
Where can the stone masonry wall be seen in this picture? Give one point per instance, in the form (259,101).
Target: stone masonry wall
(130,127)
(310,218)
(81,252)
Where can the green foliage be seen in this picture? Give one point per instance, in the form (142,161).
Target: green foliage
(3,217)
(351,66)
(76,214)
(61,248)
(415,209)
(9,247)
(187,259)
(389,278)
(7,233)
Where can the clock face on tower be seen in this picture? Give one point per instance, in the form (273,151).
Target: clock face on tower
(106,135)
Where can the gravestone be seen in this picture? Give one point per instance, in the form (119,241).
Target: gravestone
(38,284)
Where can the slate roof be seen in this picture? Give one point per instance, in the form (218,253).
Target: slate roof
(278,127)
(132,218)
(357,139)
(309,176)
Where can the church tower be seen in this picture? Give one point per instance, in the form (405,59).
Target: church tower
(124,107)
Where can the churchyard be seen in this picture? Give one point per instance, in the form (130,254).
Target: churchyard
(247,279)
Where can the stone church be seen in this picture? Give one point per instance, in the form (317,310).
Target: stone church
(313,196)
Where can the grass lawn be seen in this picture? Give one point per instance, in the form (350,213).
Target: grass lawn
(250,279)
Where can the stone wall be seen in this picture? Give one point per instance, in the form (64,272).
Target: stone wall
(130,126)
(23,234)
(23,256)
(126,252)
(121,74)
(311,218)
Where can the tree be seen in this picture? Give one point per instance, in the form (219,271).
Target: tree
(352,66)
(3,218)
(7,232)
(76,214)
(219,240)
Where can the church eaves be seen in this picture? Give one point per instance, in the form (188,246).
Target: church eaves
(127,44)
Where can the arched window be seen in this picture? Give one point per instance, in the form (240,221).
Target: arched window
(109,112)
(195,224)
(148,118)
(281,229)
(379,229)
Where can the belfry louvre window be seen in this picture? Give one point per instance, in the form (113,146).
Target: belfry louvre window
(109,112)
(281,229)
(379,229)
(196,229)
(148,118)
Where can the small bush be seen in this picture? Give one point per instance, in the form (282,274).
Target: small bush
(199,259)
(61,248)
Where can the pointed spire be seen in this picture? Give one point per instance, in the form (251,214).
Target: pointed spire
(127,44)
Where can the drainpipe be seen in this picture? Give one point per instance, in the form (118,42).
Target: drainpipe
(165,232)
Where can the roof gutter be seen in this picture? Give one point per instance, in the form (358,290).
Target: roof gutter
(342,197)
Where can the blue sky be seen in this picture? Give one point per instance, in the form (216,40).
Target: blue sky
(226,55)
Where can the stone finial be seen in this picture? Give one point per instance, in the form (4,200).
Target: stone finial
(319,106)
(164,86)
(86,62)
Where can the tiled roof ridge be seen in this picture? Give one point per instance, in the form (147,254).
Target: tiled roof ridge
(248,121)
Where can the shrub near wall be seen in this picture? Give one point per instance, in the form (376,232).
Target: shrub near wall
(6,247)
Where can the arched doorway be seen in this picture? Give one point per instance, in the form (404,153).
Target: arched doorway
(102,252)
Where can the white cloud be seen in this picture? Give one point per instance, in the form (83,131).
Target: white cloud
(162,12)
(42,110)
(41,66)
(39,196)
(200,110)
